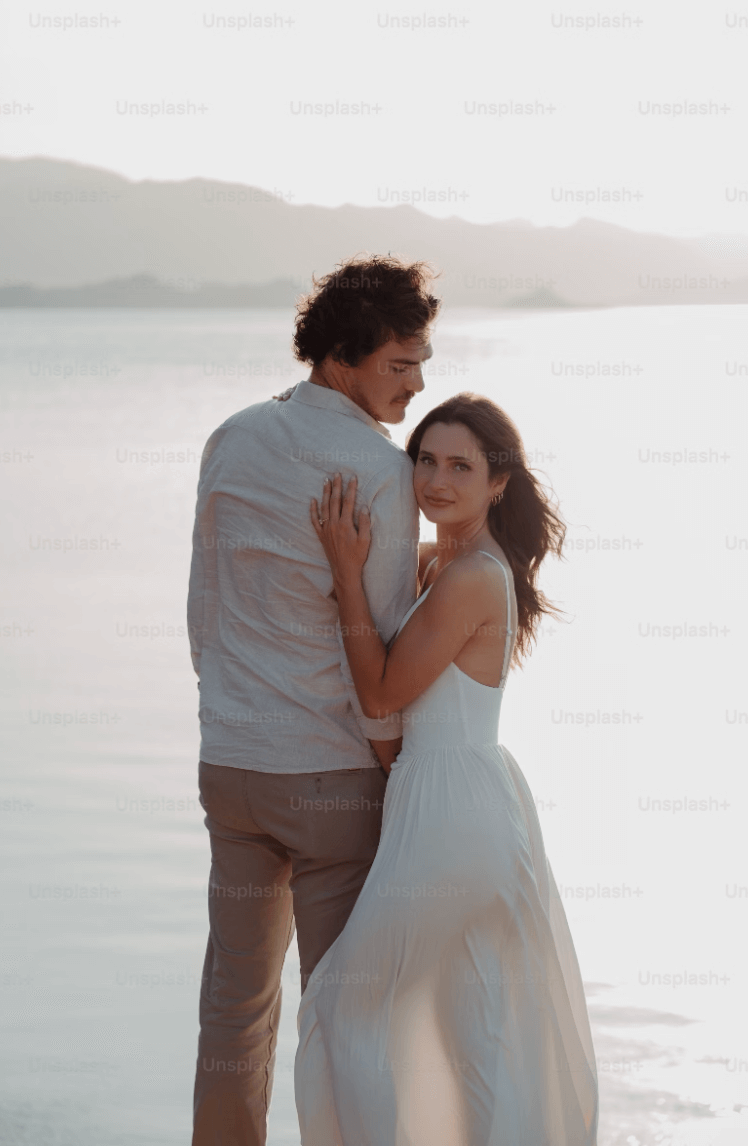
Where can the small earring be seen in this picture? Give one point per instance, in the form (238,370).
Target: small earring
(497,498)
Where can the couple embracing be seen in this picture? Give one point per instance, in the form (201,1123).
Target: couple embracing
(350,771)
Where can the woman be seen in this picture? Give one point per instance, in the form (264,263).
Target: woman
(450,1010)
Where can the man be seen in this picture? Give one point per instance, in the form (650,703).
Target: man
(290,775)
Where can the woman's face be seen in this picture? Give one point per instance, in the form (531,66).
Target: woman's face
(451,479)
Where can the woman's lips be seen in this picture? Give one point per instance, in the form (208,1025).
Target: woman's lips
(436,501)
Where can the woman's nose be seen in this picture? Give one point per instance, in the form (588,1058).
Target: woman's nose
(438,479)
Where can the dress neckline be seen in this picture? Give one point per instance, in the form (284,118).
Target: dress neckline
(493,687)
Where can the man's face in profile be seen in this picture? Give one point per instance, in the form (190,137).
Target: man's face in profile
(384,382)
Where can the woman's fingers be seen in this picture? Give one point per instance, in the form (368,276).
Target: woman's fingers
(342,538)
(335,497)
(325,507)
(349,501)
(337,505)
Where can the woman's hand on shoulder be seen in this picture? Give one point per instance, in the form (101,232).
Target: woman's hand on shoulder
(345,542)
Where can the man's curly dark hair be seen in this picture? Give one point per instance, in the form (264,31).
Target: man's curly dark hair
(361,305)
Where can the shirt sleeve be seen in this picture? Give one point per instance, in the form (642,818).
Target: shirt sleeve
(390,574)
(197,596)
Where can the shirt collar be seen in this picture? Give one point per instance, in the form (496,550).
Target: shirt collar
(312,395)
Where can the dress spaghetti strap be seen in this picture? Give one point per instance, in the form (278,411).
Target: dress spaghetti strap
(510,632)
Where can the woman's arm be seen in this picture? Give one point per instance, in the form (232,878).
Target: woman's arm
(459,603)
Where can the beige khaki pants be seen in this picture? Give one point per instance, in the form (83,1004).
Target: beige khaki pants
(284,848)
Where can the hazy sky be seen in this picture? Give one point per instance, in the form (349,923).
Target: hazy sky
(547,112)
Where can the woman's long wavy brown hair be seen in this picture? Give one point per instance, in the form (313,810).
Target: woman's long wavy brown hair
(525,523)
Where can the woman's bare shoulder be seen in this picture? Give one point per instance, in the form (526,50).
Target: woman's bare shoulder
(473,576)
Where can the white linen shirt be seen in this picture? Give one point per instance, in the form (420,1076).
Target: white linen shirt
(276,693)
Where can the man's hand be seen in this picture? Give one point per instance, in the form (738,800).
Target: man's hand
(387,751)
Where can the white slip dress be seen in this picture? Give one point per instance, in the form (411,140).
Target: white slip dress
(450,1010)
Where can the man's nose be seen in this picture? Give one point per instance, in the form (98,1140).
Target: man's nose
(416,380)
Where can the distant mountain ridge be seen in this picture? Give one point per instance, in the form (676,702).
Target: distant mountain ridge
(148,291)
(75,235)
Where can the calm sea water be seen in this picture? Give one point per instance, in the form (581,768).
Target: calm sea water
(630,721)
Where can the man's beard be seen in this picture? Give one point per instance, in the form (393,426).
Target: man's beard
(361,399)
(358,390)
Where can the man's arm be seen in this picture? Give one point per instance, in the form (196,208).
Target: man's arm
(389,579)
(204,527)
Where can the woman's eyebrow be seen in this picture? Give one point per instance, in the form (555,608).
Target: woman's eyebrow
(450,458)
